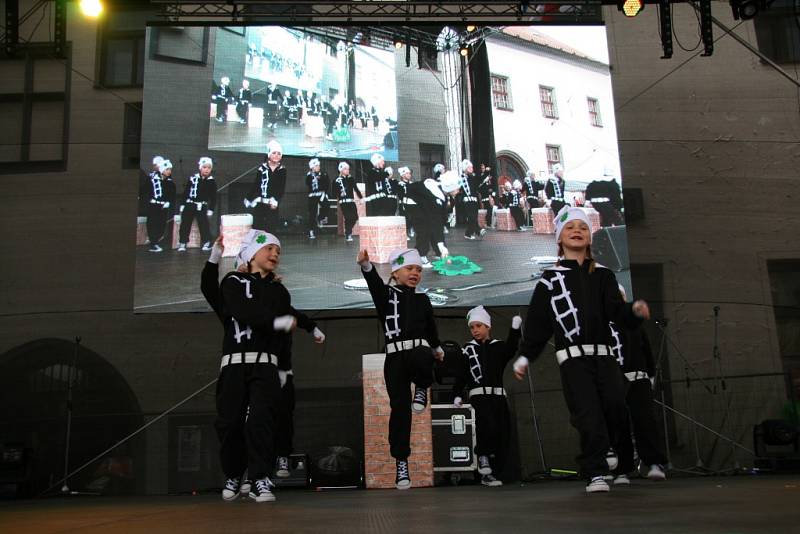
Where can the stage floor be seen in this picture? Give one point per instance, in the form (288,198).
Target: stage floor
(315,272)
(741,504)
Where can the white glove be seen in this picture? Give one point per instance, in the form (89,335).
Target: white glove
(247,204)
(181,209)
(255,201)
(282,376)
(284,323)
(652,382)
(319,337)
(209,213)
(521,365)
(216,253)
(458,401)
(273,203)
(166,205)
(443,250)
(389,171)
(516,322)
(438,353)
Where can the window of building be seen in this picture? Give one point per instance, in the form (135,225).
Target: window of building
(594,112)
(35,108)
(553,156)
(548,97)
(429,155)
(778,31)
(132,135)
(121,50)
(187,44)
(428,57)
(501,97)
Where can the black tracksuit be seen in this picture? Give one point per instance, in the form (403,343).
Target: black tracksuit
(423,205)
(344,187)
(531,188)
(209,286)
(248,394)
(576,305)
(318,185)
(221,95)
(487,194)
(606,198)
(638,365)
(405,315)
(469,202)
(269,184)
(482,366)
(555,189)
(199,196)
(376,182)
(160,203)
(511,200)
(243,103)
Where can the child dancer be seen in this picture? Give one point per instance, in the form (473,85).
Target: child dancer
(481,374)
(575,300)
(199,202)
(318,185)
(161,194)
(638,365)
(410,331)
(255,310)
(344,187)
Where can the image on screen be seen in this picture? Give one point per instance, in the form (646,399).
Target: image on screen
(461,142)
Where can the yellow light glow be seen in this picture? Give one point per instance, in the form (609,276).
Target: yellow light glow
(398,44)
(631,8)
(464,52)
(91,8)
(470,28)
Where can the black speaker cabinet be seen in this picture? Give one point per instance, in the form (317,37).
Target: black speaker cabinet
(610,247)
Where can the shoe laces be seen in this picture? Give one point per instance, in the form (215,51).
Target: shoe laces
(420,396)
(402,469)
(283,462)
(232,483)
(263,485)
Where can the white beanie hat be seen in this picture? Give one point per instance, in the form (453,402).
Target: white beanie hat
(439,167)
(449,181)
(313,163)
(402,170)
(464,164)
(274,146)
(164,165)
(517,184)
(157,160)
(343,165)
(225,80)
(568,213)
(480,315)
(400,258)
(253,241)
(375,159)
(205,160)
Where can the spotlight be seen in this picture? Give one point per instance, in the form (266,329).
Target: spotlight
(470,28)
(748,9)
(464,50)
(91,8)
(398,44)
(631,8)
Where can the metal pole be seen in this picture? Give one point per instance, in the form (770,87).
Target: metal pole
(70,375)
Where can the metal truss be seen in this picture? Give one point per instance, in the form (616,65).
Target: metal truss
(372,11)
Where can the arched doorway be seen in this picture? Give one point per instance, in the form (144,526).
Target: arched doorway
(34,386)
(510,167)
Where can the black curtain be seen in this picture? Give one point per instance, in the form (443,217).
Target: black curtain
(481,127)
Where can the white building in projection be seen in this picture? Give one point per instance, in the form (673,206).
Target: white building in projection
(562,96)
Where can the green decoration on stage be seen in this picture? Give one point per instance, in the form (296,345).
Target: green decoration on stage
(456,265)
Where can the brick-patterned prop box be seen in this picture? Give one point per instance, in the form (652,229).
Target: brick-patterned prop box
(543,221)
(379,466)
(504,220)
(482,218)
(361,209)
(233,229)
(141,231)
(194,234)
(381,235)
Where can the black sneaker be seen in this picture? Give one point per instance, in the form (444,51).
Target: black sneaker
(491,481)
(260,492)
(484,467)
(231,489)
(403,480)
(282,467)
(420,400)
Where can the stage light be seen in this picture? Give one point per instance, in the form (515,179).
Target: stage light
(398,44)
(464,50)
(470,28)
(748,9)
(91,8)
(665,27)
(706,28)
(631,8)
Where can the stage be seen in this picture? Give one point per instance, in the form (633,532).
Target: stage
(735,504)
(315,271)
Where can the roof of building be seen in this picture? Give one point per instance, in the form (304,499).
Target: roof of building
(529,34)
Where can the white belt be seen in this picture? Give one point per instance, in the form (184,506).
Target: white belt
(391,196)
(599,199)
(470,199)
(405,345)
(409,202)
(342,200)
(248,357)
(316,194)
(636,375)
(576,351)
(487,391)
(161,202)
(375,196)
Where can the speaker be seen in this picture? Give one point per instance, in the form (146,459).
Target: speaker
(610,247)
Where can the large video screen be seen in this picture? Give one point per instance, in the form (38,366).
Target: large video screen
(461,142)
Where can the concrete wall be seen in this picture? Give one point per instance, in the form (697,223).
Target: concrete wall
(714,147)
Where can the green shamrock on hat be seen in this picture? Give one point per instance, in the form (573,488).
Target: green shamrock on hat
(261,239)
(564,217)
(400,260)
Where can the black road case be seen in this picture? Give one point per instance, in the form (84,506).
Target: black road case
(453,437)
